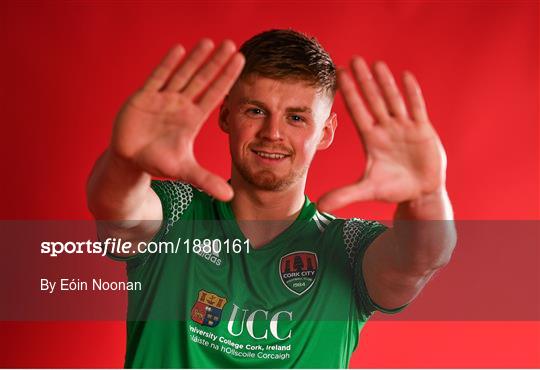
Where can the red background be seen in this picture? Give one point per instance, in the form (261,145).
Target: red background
(67,67)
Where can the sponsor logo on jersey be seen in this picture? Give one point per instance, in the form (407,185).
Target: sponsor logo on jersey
(259,323)
(208,308)
(298,271)
(212,256)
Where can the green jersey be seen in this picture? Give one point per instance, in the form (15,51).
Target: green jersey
(298,301)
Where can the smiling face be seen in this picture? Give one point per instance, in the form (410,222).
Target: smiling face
(275,127)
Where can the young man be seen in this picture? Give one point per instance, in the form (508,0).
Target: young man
(302,292)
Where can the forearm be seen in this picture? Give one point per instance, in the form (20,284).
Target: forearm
(117,190)
(424,233)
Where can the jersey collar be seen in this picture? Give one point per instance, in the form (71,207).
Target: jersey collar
(231,227)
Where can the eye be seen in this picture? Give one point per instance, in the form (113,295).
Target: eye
(255,111)
(297,118)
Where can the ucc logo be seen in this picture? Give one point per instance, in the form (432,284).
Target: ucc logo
(259,318)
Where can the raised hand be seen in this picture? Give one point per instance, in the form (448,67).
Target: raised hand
(157,126)
(405,158)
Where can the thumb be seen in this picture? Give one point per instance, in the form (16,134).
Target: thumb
(341,197)
(209,182)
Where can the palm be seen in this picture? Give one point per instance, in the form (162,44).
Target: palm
(405,158)
(402,162)
(156,128)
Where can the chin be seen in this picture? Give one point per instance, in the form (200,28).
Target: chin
(265,179)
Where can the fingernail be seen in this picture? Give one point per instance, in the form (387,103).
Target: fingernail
(207,42)
(229,44)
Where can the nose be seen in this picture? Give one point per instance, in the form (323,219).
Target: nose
(271,129)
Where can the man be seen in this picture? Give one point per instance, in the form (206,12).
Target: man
(298,293)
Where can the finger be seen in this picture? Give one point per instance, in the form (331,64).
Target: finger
(338,198)
(417,106)
(369,89)
(221,86)
(210,183)
(192,62)
(203,77)
(391,93)
(353,102)
(163,71)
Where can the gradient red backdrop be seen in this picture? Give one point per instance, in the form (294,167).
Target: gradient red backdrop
(67,67)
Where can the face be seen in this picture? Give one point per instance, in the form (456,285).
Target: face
(275,127)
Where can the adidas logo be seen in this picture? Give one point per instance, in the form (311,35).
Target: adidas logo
(212,256)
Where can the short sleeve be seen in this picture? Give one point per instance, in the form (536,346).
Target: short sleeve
(175,197)
(358,234)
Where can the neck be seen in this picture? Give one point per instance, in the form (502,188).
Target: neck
(250,203)
(278,209)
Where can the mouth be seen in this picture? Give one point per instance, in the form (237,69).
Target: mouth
(271,156)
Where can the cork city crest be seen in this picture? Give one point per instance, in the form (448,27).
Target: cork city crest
(208,308)
(298,270)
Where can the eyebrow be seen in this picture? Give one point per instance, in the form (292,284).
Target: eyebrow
(262,105)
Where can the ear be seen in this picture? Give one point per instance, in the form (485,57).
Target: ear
(224,116)
(329,128)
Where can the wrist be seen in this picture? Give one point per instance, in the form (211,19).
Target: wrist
(434,205)
(427,198)
(121,164)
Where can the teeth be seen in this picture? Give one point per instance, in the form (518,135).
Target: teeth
(270,155)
